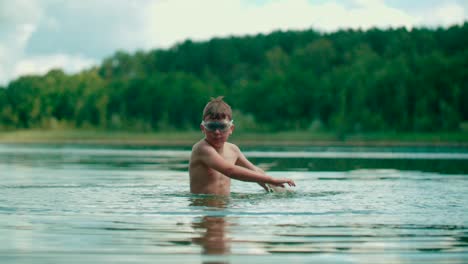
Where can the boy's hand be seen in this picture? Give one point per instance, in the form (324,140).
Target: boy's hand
(281,181)
(264,186)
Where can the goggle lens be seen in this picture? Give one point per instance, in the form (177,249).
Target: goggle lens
(216,125)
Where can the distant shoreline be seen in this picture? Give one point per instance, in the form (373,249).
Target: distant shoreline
(176,138)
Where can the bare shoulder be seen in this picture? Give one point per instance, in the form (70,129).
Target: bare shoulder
(233,147)
(203,149)
(196,146)
(200,147)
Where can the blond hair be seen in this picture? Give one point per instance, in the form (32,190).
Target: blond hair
(217,109)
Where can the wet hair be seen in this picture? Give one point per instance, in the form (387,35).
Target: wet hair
(217,109)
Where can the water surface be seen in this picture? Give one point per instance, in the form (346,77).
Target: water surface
(77,204)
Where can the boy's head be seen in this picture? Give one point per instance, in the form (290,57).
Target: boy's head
(217,122)
(217,109)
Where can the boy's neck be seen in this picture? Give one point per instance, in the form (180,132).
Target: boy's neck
(217,147)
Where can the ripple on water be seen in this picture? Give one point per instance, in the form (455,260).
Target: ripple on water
(61,205)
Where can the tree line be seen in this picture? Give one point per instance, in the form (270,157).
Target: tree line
(346,81)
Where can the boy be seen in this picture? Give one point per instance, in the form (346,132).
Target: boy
(214,161)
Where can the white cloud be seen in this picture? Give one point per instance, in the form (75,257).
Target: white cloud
(19,12)
(38,35)
(448,14)
(177,20)
(42,64)
(16,29)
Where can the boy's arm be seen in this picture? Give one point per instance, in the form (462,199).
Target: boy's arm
(215,161)
(244,162)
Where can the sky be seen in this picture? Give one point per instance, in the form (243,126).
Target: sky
(39,35)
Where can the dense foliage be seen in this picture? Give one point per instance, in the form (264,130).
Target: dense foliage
(346,81)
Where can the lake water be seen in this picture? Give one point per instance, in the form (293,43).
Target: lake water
(88,204)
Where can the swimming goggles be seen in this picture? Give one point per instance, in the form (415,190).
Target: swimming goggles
(222,126)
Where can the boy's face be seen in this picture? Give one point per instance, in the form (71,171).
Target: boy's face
(217,131)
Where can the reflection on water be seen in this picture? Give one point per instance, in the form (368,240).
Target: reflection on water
(67,204)
(212,230)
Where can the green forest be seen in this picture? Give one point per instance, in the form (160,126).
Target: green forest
(347,81)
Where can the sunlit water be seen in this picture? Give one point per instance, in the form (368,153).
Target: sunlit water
(72,204)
